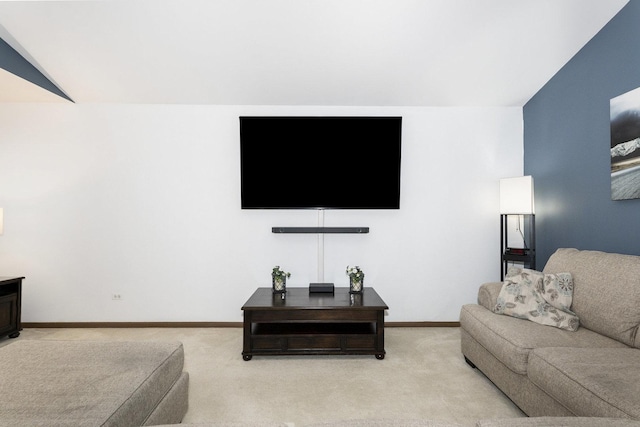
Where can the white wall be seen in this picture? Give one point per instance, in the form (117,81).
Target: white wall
(144,201)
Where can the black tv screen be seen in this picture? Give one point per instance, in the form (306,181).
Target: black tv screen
(320,162)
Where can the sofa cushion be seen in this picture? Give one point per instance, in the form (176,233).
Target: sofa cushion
(590,381)
(510,339)
(81,383)
(606,295)
(540,298)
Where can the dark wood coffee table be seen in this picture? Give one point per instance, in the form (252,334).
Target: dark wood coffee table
(302,323)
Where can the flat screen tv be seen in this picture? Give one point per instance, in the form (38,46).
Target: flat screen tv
(320,162)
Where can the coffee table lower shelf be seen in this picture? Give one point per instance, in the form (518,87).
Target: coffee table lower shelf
(284,339)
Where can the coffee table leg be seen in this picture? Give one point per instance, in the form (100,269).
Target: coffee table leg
(246,339)
(380,335)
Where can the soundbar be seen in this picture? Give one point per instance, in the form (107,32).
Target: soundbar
(321,288)
(320,230)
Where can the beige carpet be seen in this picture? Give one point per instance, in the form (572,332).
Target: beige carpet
(423,376)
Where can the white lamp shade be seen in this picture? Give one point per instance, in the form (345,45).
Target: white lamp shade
(1,220)
(516,196)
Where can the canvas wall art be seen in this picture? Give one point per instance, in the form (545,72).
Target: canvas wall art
(625,146)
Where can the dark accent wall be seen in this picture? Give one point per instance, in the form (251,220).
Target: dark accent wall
(15,63)
(567,145)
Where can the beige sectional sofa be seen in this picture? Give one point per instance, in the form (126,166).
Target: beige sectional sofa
(80,383)
(502,422)
(591,372)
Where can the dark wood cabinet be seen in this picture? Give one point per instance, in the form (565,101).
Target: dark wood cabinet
(10,306)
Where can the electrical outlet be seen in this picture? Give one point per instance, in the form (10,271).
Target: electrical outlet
(116,297)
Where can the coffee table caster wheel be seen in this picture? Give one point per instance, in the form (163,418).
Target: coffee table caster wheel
(379,356)
(246,357)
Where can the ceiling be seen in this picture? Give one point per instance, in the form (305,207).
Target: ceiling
(297,52)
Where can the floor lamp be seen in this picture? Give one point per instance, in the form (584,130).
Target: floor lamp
(517,198)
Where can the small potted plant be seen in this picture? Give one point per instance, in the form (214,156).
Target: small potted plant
(279,280)
(356,279)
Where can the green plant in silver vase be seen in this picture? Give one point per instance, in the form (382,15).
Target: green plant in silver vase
(279,280)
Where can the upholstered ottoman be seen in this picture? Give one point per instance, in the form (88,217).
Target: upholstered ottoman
(79,383)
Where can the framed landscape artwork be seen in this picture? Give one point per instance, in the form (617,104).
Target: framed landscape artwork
(625,146)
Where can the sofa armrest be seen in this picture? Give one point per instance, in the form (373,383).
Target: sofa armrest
(488,295)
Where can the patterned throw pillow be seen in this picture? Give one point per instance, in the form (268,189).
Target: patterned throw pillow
(541,298)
